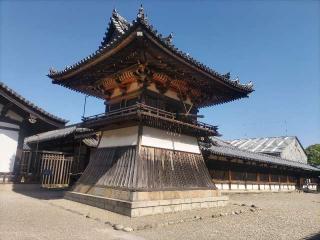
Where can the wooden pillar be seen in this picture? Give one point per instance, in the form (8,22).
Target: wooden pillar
(18,157)
(229,175)
(269,179)
(258,180)
(245,176)
(245,180)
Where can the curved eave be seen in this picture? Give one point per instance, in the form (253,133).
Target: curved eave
(39,112)
(121,41)
(99,55)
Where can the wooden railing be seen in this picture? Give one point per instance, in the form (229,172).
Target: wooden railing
(142,109)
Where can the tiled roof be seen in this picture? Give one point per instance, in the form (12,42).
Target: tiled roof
(17,96)
(225,148)
(55,134)
(231,151)
(263,145)
(119,29)
(90,142)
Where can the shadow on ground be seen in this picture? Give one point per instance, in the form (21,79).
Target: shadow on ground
(35,191)
(313,237)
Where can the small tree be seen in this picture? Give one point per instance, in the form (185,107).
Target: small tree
(313,153)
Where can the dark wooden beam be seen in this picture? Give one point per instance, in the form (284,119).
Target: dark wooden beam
(5,109)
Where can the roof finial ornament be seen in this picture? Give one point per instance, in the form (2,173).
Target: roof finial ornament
(52,71)
(250,84)
(227,75)
(115,14)
(169,38)
(141,15)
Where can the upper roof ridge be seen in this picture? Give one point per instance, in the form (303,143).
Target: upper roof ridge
(117,26)
(141,16)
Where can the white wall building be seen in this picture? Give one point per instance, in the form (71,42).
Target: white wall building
(19,118)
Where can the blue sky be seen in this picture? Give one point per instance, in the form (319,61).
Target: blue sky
(275,44)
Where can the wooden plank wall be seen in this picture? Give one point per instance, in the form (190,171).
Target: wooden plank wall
(151,169)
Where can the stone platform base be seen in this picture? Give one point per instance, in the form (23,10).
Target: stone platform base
(145,207)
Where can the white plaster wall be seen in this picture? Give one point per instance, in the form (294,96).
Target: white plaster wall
(310,186)
(119,137)
(8,147)
(263,187)
(153,137)
(225,186)
(234,186)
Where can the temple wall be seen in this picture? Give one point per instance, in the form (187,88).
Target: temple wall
(236,177)
(153,137)
(119,137)
(257,187)
(8,146)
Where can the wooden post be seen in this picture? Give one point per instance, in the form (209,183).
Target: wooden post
(269,179)
(258,180)
(245,180)
(229,175)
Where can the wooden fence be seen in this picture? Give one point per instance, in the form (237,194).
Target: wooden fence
(55,169)
(51,169)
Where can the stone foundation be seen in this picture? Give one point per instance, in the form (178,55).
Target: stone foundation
(149,203)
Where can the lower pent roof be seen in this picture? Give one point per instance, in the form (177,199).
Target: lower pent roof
(55,134)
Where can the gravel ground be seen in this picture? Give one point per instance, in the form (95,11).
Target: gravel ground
(282,216)
(273,216)
(30,216)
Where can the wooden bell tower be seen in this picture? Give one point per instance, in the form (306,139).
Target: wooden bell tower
(148,160)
